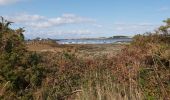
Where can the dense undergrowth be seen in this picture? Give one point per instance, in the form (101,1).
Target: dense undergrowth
(140,71)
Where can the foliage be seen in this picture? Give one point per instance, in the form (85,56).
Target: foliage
(146,63)
(20,70)
(140,71)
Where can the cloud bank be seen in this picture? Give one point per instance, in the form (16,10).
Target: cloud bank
(138,28)
(38,21)
(74,26)
(55,27)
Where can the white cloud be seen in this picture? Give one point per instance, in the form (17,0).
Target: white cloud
(78,32)
(163,9)
(24,18)
(135,24)
(98,25)
(134,28)
(42,26)
(6,2)
(74,26)
(72,33)
(37,21)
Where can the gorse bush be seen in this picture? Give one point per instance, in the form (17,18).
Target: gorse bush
(19,69)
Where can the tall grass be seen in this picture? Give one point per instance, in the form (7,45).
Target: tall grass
(140,71)
(102,86)
(146,63)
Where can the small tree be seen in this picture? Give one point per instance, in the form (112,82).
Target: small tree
(167,22)
(165,28)
(4,24)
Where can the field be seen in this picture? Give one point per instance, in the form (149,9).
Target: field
(84,67)
(113,71)
(45,70)
(83,50)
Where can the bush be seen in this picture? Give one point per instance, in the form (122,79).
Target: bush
(20,69)
(146,63)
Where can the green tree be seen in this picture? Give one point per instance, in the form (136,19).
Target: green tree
(165,28)
(167,21)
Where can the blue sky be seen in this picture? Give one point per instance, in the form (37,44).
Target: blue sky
(85,18)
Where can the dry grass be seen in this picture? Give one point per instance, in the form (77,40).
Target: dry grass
(84,50)
(110,72)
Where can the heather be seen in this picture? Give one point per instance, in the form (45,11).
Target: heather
(140,70)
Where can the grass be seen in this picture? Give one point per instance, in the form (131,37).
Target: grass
(132,72)
(83,79)
(137,71)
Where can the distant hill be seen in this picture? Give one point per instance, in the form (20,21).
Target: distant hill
(119,37)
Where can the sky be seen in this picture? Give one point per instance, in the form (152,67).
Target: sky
(85,18)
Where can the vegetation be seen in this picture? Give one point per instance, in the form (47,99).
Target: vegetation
(145,64)
(119,37)
(140,71)
(20,72)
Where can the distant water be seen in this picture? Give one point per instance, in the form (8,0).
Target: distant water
(92,41)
